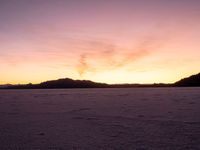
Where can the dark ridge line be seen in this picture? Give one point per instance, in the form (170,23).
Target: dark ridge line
(192,81)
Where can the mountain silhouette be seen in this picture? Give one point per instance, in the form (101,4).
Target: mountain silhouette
(191,81)
(61,83)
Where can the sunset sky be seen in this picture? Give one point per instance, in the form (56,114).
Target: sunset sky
(112,41)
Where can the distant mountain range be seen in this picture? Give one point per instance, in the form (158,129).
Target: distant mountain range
(191,81)
(61,83)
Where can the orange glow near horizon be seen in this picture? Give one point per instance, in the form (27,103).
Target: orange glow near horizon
(112,42)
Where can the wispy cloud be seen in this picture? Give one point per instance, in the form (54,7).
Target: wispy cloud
(82,66)
(105,57)
(81,53)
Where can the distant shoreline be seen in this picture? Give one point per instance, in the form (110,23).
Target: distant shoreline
(173,87)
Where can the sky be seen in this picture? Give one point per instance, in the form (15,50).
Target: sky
(112,41)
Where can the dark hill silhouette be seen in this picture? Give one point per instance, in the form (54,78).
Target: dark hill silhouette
(191,81)
(62,83)
(70,83)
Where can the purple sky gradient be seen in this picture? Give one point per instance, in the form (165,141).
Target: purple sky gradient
(112,41)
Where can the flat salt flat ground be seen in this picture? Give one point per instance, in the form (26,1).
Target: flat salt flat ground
(100,119)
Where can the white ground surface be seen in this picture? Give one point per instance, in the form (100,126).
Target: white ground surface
(100,119)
